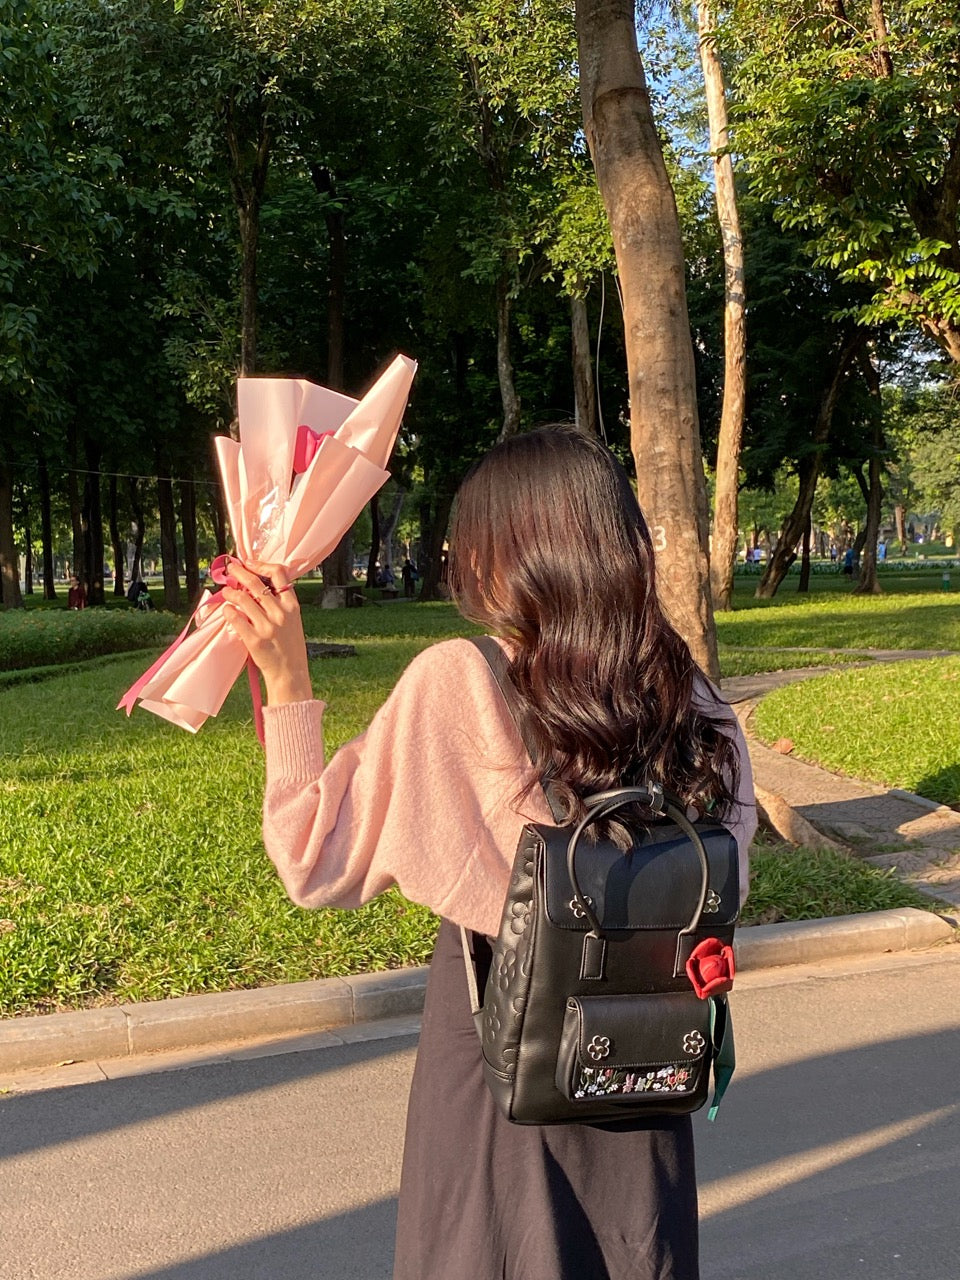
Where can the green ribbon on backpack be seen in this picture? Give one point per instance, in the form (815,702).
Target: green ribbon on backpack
(725,1053)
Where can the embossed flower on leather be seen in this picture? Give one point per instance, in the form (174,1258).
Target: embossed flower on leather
(693,1042)
(505,969)
(520,917)
(523,872)
(491,1019)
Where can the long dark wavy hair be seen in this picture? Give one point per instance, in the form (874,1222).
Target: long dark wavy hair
(549,549)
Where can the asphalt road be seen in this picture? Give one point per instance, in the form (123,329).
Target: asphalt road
(836,1154)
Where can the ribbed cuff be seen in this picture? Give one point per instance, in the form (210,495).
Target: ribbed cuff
(293,734)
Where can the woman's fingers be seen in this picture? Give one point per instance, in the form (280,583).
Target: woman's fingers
(275,573)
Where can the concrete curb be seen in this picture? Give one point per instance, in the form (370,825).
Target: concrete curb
(205,1021)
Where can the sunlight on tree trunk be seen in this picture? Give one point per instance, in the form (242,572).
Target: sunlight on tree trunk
(723,551)
(508,389)
(664,427)
(10,596)
(872,489)
(584,390)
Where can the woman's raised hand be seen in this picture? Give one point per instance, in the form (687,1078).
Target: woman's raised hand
(263,611)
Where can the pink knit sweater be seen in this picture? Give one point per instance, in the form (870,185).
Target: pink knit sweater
(424,798)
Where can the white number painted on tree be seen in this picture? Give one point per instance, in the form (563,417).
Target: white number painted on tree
(659,535)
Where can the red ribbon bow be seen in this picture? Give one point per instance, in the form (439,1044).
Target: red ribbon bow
(711,968)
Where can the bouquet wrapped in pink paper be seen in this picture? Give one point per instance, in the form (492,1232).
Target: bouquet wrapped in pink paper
(307,462)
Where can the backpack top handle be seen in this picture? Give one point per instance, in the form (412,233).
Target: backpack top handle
(650,796)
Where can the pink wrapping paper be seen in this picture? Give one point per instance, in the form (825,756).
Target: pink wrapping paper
(278,517)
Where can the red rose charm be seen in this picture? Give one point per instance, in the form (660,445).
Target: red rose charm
(711,968)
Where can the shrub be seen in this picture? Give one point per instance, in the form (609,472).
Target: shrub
(35,638)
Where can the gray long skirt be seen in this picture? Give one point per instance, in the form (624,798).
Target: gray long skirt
(484,1199)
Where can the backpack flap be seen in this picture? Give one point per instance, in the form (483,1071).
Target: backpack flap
(653,1048)
(649,886)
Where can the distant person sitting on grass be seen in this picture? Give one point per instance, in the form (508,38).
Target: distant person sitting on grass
(139,595)
(76,595)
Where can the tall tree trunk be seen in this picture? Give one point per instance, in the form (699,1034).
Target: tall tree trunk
(76,507)
(218,514)
(389,530)
(249,220)
(46,531)
(804,583)
(725,513)
(900,520)
(336,300)
(333,216)
(881,51)
(93,525)
(584,389)
(374,555)
(188,530)
(872,488)
(247,180)
(10,596)
(27,545)
(434,518)
(137,528)
(338,566)
(808,472)
(116,542)
(508,389)
(664,427)
(168,541)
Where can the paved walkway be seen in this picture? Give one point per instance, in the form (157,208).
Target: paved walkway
(890,828)
(836,1153)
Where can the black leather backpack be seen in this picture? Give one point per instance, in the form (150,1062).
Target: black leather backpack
(604,993)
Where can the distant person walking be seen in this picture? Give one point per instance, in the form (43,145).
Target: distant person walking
(549,553)
(408,576)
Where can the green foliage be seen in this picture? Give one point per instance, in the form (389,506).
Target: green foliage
(897,724)
(38,638)
(850,134)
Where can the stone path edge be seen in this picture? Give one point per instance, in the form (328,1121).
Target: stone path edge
(206,1021)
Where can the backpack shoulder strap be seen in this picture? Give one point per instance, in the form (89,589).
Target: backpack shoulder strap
(500,666)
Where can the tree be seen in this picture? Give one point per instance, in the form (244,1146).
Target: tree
(53,228)
(665,433)
(850,119)
(723,549)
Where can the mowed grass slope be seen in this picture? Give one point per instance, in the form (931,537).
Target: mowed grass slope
(894,723)
(131,865)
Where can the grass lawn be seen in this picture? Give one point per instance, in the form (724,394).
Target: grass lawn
(806,884)
(898,724)
(131,865)
(911,614)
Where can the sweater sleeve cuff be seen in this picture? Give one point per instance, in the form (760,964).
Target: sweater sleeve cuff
(293,734)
